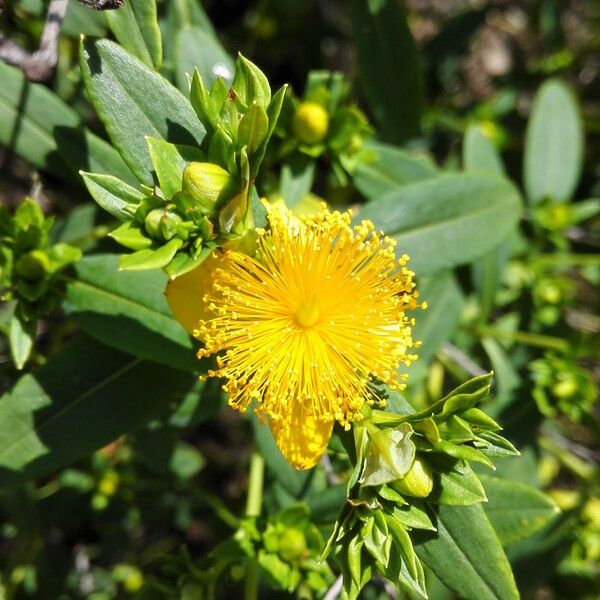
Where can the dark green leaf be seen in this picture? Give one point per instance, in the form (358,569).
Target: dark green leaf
(467,555)
(448,220)
(197,48)
(86,396)
(516,510)
(455,483)
(128,311)
(133,102)
(389,67)
(136,28)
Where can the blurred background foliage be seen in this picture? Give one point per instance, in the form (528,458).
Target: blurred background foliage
(455,88)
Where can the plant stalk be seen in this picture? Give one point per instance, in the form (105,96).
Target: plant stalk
(253,509)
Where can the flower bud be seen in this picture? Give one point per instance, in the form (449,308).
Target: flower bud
(565,388)
(162,224)
(418,482)
(208,184)
(292,544)
(33,265)
(310,123)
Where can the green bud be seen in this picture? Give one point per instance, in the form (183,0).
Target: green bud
(33,265)
(310,123)
(418,482)
(565,388)
(162,224)
(292,544)
(209,185)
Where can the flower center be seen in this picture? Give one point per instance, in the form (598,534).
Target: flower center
(308,314)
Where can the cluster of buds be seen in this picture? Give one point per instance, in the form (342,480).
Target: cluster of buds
(562,387)
(325,122)
(404,462)
(204,196)
(29,271)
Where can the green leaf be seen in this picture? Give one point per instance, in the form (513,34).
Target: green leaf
(516,510)
(448,220)
(253,128)
(553,144)
(113,195)
(455,483)
(198,48)
(250,84)
(438,322)
(136,28)
(296,179)
(466,554)
(131,236)
(21,337)
(480,154)
(150,259)
(38,126)
(133,102)
(389,169)
(389,67)
(127,310)
(84,397)
(169,161)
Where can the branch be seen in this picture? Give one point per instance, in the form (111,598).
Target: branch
(335,590)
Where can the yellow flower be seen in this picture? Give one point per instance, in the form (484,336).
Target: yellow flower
(306,327)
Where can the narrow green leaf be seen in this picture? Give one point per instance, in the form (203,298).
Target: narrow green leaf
(127,310)
(253,128)
(169,161)
(479,153)
(516,510)
(133,101)
(197,48)
(84,397)
(553,144)
(147,259)
(389,66)
(448,220)
(113,195)
(466,554)
(296,179)
(389,169)
(135,26)
(22,338)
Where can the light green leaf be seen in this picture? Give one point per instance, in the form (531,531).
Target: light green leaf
(389,67)
(197,48)
(133,102)
(113,195)
(130,235)
(253,127)
(389,169)
(516,510)
(136,28)
(480,154)
(169,161)
(127,310)
(467,555)
(553,144)
(84,397)
(296,179)
(448,220)
(147,259)
(21,337)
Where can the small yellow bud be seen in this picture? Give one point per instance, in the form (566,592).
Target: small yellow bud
(418,482)
(209,184)
(310,123)
(109,483)
(565,388)
(33,265)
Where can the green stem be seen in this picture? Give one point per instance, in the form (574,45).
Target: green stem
(524,337)
(253,509)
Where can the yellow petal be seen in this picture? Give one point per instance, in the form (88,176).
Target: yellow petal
(185,294)
(301,438)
